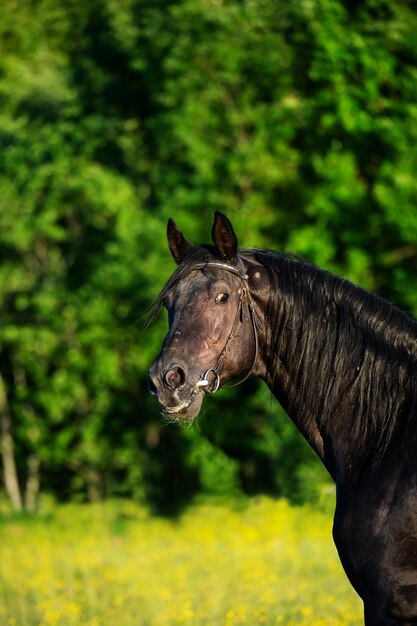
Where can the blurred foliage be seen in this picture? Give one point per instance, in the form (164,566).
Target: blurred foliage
(299,120)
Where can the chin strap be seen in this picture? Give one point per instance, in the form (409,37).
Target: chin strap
(214,385)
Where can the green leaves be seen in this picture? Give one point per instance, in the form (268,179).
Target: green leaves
(297,119)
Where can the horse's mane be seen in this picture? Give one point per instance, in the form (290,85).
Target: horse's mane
(358,350)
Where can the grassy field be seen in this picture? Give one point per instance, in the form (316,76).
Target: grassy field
(114,565)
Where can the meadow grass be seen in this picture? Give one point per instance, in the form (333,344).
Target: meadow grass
(115,565)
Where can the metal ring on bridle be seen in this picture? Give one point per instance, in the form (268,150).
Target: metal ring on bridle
(216,382)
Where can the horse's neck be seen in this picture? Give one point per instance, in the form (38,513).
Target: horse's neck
(282,381)
(317,354)
(282,385)
(331,380)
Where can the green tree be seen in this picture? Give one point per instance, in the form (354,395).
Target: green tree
(296,119)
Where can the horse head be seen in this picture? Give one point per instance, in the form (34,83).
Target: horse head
(212,336)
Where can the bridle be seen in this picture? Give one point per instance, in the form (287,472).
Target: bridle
(204,383)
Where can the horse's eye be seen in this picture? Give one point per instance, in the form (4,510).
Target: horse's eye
(222,298)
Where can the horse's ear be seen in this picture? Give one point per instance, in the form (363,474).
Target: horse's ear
(178,245)
(224,237)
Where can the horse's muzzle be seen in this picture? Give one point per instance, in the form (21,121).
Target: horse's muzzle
(170,387)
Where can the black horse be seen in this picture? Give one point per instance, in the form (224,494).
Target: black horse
(343,364)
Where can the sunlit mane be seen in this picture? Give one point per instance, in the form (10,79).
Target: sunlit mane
(353,347)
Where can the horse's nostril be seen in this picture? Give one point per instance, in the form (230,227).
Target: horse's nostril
(175,377)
